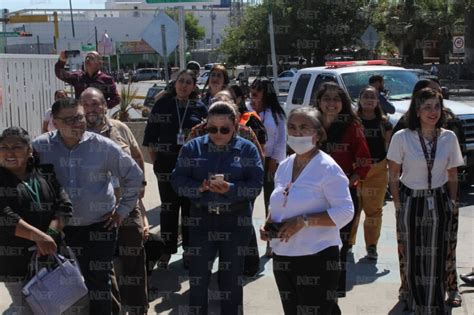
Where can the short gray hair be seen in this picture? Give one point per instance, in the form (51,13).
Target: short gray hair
(312,114)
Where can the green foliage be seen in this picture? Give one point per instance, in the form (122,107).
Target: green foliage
(410,24)
(193,30)
(302,28)
(127,96)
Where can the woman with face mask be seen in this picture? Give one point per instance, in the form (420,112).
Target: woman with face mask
(306,213)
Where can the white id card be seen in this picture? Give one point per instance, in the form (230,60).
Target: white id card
(180,138)
(431,202)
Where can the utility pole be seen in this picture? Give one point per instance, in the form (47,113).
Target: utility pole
(38,44)
(181,46)
(4,29)
(213,18)
(96,39)
(72,19)
(272,48)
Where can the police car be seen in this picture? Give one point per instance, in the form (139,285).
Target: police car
(352,76)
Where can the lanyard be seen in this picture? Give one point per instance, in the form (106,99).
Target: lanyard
(428,157)
(33,190)
(181,122)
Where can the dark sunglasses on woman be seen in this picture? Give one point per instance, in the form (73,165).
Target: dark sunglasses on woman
(222,130)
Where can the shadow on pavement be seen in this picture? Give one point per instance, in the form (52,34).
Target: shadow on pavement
(363,272)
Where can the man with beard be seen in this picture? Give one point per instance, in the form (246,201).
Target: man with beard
(84,163)
(135,228)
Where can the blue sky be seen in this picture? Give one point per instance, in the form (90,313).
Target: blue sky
(15,5)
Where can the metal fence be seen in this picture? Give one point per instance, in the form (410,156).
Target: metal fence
(27,86)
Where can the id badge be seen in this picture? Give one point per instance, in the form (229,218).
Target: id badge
(180,139)
(431,202)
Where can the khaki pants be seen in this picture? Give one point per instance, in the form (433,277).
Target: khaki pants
(371,199)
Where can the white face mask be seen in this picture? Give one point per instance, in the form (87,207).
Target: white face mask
(300,145)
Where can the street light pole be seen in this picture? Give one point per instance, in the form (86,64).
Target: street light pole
(72,19)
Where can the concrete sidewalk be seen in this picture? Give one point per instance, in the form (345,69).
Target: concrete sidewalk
(372,288)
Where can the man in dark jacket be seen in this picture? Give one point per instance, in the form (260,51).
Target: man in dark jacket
(92,76)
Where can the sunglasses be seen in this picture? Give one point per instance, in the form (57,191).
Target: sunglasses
(92,58)
(71,120)
(222,130)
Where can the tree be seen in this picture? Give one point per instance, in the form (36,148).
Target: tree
(194,31)
(303,28)
(469,33)
(416,27)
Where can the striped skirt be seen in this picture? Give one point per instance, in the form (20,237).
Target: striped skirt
(423,242)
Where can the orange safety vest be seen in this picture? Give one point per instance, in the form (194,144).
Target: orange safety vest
(245,117)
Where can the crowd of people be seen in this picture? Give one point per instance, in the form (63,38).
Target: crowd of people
(81,182)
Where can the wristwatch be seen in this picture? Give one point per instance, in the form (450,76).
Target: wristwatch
(305,220)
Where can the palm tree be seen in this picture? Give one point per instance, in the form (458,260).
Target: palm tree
(127,96)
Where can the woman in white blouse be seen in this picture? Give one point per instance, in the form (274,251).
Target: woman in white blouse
(309,205)
(424,195)
(264,101)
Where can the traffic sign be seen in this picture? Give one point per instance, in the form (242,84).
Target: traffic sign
(152,33)
(458,44)
(370,37)
(9,34)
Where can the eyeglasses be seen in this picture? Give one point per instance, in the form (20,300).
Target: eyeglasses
(184,81)
(92,58)
(216,75)
(71,120)
(222,130)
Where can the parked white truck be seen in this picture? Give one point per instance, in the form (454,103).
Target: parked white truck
(354,75)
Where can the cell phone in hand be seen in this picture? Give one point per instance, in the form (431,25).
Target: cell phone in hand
(217,178)
(273,228)
(72,53)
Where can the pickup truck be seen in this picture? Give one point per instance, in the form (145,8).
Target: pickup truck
(352,76)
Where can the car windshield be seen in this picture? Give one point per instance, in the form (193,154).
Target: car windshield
(399,83)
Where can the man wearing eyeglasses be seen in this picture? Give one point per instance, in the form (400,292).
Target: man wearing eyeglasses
(92,76)
(84,163)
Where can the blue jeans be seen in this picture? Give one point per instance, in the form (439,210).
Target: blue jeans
(94,247)
(227,235)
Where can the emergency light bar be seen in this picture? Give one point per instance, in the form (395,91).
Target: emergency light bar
(337,64)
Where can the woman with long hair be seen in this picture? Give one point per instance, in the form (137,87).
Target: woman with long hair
(377,131)
(264,101)
(425,196)
(217,81)
(168,126)
(347,145)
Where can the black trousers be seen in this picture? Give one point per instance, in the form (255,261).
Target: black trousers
(345,233)
(268,185)
(94,247)
(170,205)
(307,284)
